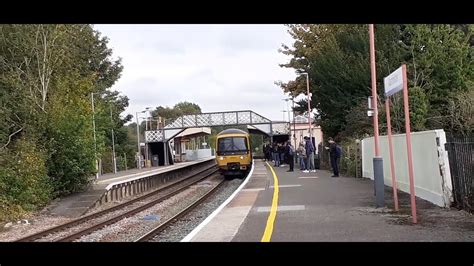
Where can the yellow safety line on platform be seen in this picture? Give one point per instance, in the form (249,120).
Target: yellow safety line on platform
(267,235)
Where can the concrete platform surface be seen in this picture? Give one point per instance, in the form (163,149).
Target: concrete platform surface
(316,207)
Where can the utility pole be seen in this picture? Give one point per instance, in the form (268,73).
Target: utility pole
(309,107)
(95,140)
(294,124)
(114,159)
(147,116)
(139,161)
(377,160)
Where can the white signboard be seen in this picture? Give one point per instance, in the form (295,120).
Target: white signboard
(393,83)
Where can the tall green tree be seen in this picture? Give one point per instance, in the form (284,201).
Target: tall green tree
(47,74)
(179,109)
(438,58)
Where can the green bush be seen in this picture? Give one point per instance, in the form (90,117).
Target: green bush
(10,211)
(24,184)
(350,158)
(72,163)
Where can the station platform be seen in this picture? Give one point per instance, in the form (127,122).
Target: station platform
(77,204)
(106,180)
(314,207)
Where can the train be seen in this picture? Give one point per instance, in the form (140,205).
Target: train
(233,153)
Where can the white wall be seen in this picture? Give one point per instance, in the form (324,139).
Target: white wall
(302,130)
(430,164)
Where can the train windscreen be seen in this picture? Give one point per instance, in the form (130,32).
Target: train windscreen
(230,146)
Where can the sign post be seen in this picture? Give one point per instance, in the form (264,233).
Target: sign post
(394,83)
(390,146)
(408,137)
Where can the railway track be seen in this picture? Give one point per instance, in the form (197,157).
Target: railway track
(175,187)
(156,231)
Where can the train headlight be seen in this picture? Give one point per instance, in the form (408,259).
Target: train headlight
(241,157)
(221,158)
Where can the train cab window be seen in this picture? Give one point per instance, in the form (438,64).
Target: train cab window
(235,145)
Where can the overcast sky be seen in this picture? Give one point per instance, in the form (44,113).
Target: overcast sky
(218,67)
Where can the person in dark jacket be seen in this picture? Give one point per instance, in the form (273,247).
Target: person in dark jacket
(290,155)
(335,156)
(267,152)
(281,154)
(276,155)
(309,155)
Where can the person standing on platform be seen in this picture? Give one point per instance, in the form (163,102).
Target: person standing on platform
(302,156)
(276,155)
(290,156)
(334,155)
(281,154)
(310,155)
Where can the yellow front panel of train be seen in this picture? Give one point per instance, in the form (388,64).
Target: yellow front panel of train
(233,151)
(243,160)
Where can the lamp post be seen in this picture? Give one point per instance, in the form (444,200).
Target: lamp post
(377,160)
(294,124)
(289,119)
(283,112)
(95,140)
(147,112)
(309,104)
(114,159)
(139,159)
(287,108)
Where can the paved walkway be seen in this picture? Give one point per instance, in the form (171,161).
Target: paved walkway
(316,207)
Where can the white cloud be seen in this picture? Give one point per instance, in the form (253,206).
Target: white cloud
(219,67)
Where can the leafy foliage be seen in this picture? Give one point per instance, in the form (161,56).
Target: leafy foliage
(24,183)
(47,74)
(440,67)
(179,109)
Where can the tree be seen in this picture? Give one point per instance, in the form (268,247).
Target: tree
(439,63)
(88,69)
(109,107)
(460,114)
(47,73)
(334,57)
(187,108)
(442,65)
(179,109)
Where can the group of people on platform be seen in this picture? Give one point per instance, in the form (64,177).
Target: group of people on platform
(283,153)
(280,153)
